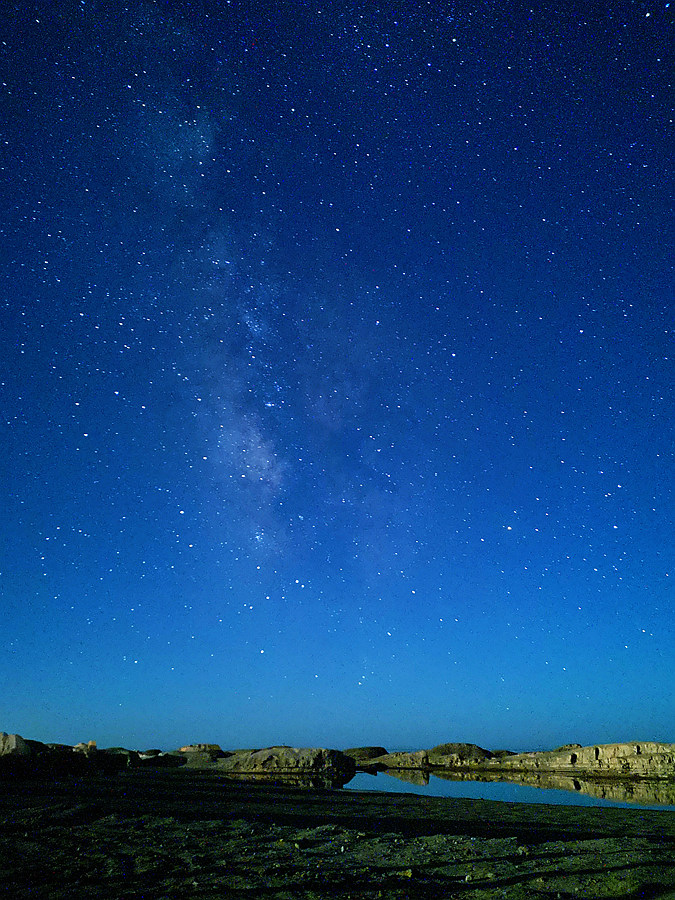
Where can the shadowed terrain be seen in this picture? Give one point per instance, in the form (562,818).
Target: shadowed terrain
(160,834)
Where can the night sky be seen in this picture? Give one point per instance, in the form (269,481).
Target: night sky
(336,373)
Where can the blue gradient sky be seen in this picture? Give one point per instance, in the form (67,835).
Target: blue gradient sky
(336,374)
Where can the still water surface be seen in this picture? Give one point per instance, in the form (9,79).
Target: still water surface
(487,790)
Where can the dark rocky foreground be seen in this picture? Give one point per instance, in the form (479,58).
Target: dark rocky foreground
(175,833)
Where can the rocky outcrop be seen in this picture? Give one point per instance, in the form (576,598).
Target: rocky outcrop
(640,759)
(306,766)
(88,748)
(214,750)
(402,760)
(291,760)
(118,758)
(645,759)
(631,760)
(13,745)
(20,756)
(121,758)
(200,756)
(364,754)
(452,755)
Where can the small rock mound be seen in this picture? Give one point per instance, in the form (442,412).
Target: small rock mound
(455,754)
(288,759)
(417,759)
(364,754)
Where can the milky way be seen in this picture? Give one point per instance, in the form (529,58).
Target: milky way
(337,386)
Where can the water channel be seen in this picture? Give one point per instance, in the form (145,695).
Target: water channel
(626,795)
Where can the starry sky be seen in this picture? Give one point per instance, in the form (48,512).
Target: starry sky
(336,382)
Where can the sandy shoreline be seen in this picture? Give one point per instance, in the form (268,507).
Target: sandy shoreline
(176,834)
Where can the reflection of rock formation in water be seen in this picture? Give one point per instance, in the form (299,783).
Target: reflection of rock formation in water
(291,762)
(317,781)
(641,772)
(641,759)
(644,791)
(410,776)
(316,767)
